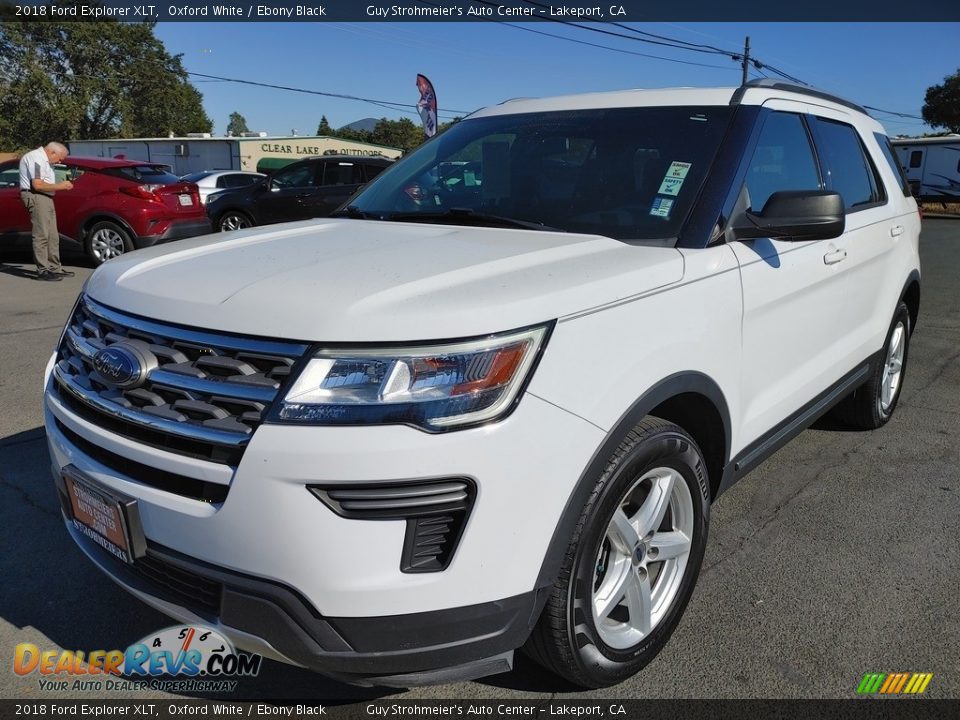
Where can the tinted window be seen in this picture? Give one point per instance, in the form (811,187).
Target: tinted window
(341,173)
(849,171)
(884,142)
(916,158)
(196,177)
(371,171)
(10,177)
(783,160)
(627,173)
(239,180)
(144,174)
(299,176)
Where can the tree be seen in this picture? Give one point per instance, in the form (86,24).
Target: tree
(89,80)
(324,127)
(237,124)
(401,133)
(941,106)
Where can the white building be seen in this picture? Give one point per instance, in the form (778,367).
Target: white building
(201,151)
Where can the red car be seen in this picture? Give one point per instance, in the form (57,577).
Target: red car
(115,206)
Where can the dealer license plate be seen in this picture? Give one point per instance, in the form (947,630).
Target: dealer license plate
(186,200)
(99,516)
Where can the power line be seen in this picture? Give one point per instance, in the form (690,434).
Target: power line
(382,103)
(613,49)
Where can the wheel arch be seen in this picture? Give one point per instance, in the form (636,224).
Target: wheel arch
(911,296)
(97,217)
(690,400)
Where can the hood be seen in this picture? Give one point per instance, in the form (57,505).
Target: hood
(342,280)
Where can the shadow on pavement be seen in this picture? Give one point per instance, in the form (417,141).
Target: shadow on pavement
(50,586)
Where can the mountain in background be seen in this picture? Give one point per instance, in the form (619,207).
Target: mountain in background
(365,125)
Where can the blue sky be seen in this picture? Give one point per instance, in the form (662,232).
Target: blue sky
(886,65)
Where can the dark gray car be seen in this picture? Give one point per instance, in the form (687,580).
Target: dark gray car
(309,188)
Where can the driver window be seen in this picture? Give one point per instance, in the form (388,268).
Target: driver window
(783,160)
(302,176)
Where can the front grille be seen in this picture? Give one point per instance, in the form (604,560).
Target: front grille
(154,477)
(203,395)
(188,589)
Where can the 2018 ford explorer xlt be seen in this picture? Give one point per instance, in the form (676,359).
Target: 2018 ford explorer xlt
(489,406)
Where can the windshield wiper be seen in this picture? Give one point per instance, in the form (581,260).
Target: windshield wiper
(466,216)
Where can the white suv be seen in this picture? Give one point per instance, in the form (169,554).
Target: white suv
(489,406)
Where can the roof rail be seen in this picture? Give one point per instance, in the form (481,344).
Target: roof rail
(771,84)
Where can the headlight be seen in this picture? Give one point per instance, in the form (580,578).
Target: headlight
(437,387)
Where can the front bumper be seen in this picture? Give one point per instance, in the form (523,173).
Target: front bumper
(294,581)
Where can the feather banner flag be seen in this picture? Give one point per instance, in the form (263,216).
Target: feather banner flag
(427,106)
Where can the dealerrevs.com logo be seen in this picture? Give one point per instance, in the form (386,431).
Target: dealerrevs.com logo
(178,658)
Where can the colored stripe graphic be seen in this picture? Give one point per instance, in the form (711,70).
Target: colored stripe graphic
(894,683)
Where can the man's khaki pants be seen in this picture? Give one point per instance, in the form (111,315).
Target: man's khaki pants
(46,238)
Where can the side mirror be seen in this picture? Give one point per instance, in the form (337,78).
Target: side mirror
(796,215)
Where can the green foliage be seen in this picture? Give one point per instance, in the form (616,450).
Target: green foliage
(237,124)
(90,80)
(401,133)
(941,107)
(324,127)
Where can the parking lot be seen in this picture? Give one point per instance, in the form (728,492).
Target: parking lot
(839,556)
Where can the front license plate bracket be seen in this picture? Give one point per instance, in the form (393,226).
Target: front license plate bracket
(107,517)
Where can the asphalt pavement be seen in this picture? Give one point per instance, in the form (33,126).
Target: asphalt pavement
(839,556)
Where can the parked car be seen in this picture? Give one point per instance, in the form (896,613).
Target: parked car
(213,181)
(309,188)
(115,206)
(462,418)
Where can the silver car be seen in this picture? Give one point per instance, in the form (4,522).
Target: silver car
(212,181)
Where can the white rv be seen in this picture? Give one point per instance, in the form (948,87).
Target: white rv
(932,165)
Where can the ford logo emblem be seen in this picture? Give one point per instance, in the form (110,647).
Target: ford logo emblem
(120,365)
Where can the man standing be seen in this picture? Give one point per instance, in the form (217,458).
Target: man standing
(37,186)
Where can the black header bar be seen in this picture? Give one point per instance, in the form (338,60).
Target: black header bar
(545,11)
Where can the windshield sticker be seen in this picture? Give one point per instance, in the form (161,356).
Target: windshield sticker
(673,180)
(661,207)
(678,170)
(670,186)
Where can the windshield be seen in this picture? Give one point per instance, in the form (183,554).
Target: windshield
(628,173)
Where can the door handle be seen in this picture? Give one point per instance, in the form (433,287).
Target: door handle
(832,258)
(896,230)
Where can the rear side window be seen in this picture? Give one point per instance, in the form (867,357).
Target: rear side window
(783,160)
(371,171)
(884,142)
(341,173)
(236,180)
(849,170)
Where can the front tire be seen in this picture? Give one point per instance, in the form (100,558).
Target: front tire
(107,240)
(234,220)
(872,404)
(632,563)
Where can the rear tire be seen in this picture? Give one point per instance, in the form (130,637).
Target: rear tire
(234,220)
(632,563)
(105,241)
(872,404)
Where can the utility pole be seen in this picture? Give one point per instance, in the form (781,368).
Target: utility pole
(746,60)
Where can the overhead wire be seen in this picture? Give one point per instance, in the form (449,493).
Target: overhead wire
(381,103)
